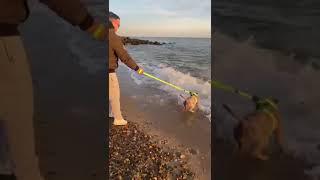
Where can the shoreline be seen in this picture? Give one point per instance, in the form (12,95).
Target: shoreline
(172,129)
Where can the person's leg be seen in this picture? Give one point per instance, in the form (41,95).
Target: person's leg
(114,99)
(110,111)
(5,160)
(16,108)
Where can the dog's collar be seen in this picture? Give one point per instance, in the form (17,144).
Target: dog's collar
(271,103)
(266,103)
(193,94)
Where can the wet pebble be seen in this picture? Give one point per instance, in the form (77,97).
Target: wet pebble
(133,155)
(193,151)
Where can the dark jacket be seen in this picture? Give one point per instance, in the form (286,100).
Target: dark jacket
(118,51)
(14,12)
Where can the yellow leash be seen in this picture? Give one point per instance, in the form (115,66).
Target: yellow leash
(169,84)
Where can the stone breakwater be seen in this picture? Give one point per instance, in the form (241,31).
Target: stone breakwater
(132,41)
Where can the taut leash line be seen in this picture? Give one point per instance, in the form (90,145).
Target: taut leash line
(169,84)
(224,87)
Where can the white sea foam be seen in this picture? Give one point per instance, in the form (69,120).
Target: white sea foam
(186,81)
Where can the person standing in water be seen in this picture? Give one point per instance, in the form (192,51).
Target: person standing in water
(117,51)
(16,89)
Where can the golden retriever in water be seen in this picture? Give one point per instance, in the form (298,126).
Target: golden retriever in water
(191,103)
(253,132)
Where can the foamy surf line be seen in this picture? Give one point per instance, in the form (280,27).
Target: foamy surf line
(186,81)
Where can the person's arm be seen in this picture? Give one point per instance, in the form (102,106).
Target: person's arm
(121,52)
(73,11)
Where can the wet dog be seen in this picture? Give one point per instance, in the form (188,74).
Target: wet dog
(253,132)
(191,103)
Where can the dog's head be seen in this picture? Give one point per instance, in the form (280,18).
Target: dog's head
(190,104)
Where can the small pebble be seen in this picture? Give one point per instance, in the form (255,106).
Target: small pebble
(192,151)
(133,155)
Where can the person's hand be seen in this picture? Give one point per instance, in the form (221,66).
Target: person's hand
(140,71)
(98,31)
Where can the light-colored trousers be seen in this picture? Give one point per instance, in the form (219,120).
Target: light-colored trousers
(17,144)
(114,96)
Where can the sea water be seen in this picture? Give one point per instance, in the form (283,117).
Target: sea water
(185,62)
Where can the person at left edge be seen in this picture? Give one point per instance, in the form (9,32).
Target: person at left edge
(16,88)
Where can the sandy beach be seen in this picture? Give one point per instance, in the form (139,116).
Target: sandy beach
(185,133)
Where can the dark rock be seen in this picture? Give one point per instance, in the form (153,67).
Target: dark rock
(192,151)
(132,41)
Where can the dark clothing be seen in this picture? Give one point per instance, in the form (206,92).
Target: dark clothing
(14,12)
(16,91)
(118,51)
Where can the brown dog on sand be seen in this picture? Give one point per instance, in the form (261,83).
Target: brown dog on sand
(191,103)
(254,131)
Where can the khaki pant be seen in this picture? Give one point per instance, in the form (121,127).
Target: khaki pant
(114,96)
(16,109)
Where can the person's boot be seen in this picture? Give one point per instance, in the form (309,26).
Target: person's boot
(120,122)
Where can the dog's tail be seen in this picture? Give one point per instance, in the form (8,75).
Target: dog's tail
(231,112)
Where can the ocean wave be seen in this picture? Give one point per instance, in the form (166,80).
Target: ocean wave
(184,80)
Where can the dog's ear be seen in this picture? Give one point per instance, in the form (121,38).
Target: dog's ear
(183,97)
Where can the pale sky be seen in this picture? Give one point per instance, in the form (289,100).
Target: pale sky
(163,18)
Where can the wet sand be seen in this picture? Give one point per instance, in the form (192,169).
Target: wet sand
(229,165)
